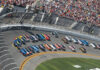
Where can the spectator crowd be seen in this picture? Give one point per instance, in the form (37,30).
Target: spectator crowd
(85,11)
(2,3)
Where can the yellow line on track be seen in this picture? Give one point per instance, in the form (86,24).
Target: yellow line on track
(53,52)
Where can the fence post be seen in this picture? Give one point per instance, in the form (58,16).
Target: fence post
(42,17)
(57,18)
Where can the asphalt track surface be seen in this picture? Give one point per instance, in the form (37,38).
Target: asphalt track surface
(7,62)
(30,63)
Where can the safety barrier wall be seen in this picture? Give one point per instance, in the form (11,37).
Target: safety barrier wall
(47,28)
(50,19)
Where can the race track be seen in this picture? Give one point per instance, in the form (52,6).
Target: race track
(30,63)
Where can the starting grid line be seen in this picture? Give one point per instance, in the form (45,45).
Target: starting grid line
(8,65)
(54,52)
(6,60)
(14,68)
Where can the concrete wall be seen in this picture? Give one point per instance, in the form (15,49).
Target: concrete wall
(34,27)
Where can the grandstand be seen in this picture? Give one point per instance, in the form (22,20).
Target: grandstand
(65,13)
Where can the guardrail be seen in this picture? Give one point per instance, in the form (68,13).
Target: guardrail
(48,28)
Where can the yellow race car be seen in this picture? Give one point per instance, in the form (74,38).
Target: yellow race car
(83,49)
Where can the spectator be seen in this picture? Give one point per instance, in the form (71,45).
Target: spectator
(85,11)
(27,7)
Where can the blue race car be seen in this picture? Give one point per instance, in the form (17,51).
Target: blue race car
(24,51)
(42,37)
(84,42)
(17,43)
(35,49)
(39,37)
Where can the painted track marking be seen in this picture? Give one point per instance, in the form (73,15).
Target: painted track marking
(6,60)
(8,65)
(3,55)
(14,68)
(3,50)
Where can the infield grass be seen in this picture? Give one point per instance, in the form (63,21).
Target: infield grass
(68,64)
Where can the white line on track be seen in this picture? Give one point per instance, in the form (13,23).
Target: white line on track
(3,51)
(6,60)
(8,65)
(4,55)
(3,47)
(14,68)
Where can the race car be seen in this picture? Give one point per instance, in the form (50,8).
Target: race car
(55,34)
(68,38)
(17,43)
(24,51)
(80,42)
(53,47)
(83,49)
(74,40)
(57,46)
(47,47)
(61,46)
(65,40)
(27,35)
(36,50)
(26,38)
(30,51)
(98,46)
(72,48)
(46,37)
(40,37)
(84,42)
(42,47)
(64,48)
(93,45)
(20,36)
(37,46)
(35,38)
(22,39)
(32,38)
